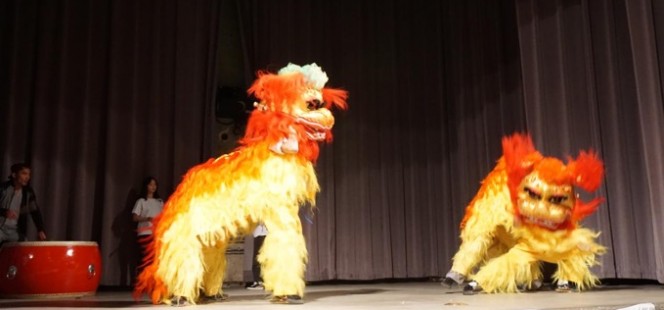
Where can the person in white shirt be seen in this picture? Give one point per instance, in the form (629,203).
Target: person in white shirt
(147,207)
(259,236)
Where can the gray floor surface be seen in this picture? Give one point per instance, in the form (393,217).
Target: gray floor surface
(410,295)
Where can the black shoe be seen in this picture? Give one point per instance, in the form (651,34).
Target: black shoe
(255,286)
(471,288)
(287,299)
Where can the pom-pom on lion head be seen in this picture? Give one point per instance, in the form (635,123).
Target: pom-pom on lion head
(293,100)
(543,188)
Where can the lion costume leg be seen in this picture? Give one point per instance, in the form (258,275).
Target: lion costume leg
(576,269)
(471,253)
(283,255)
(215,268)
(506,273)
(575,266)
(182,270)
(479,243)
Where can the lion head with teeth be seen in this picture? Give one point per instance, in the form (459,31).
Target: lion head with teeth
(294,109)
(527,211)
(542,188)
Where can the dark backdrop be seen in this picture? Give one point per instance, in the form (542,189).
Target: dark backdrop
(97,94)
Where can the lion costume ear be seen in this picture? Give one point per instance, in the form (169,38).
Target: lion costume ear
(520,156)
(335,97)
(586,171)
(519,153)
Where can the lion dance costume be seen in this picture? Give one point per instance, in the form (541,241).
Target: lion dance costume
(265,180)
(527,212)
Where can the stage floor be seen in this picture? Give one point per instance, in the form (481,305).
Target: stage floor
(410,295)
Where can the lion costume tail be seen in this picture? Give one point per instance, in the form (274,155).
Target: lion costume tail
(149,283)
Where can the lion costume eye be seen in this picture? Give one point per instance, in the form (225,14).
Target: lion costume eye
(532,193)
(314,104)
(557,199)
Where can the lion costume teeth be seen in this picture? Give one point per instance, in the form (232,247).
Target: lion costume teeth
(526,212)
(265,180)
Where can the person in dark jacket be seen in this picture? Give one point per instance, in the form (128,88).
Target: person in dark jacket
(17,200)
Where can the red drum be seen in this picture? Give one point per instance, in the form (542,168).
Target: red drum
(49,269)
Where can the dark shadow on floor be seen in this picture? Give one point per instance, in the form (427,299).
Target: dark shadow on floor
(310,296)
(70,303)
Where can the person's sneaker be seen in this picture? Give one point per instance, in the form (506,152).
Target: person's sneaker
(255,286)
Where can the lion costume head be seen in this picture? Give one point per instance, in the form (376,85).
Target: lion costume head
(295,100)
(543,188)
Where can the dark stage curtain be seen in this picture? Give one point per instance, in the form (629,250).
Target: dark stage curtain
(96,95)
(435,84)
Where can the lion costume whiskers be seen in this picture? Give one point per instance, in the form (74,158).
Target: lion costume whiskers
(266,180)
(526,212)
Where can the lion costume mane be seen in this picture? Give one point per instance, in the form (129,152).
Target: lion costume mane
(527,212)
(266,179)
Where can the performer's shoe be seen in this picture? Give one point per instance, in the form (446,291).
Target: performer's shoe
(471,288)
(563,287)
(452,278)
(287,299)
(179,301)
(215,298)
(255,286)
(534,286)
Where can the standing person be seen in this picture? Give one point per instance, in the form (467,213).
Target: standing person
(17,199)
(147,207)
(259,236)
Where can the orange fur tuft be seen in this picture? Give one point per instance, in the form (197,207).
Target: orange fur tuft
(553,171)
(278,90)
(266,126)
(587,171)
(583,209)
(520,157)
(335,97)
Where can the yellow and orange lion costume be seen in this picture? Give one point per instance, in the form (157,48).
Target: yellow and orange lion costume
(527,212)
(265,180)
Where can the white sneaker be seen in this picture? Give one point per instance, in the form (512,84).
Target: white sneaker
(255,286)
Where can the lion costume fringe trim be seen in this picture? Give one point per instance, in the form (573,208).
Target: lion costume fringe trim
(265,180)
(527,212)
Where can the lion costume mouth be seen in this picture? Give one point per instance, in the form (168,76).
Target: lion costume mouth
(544,204)
(546,223)
(317,123)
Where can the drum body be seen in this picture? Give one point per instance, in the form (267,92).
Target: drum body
(49,268)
